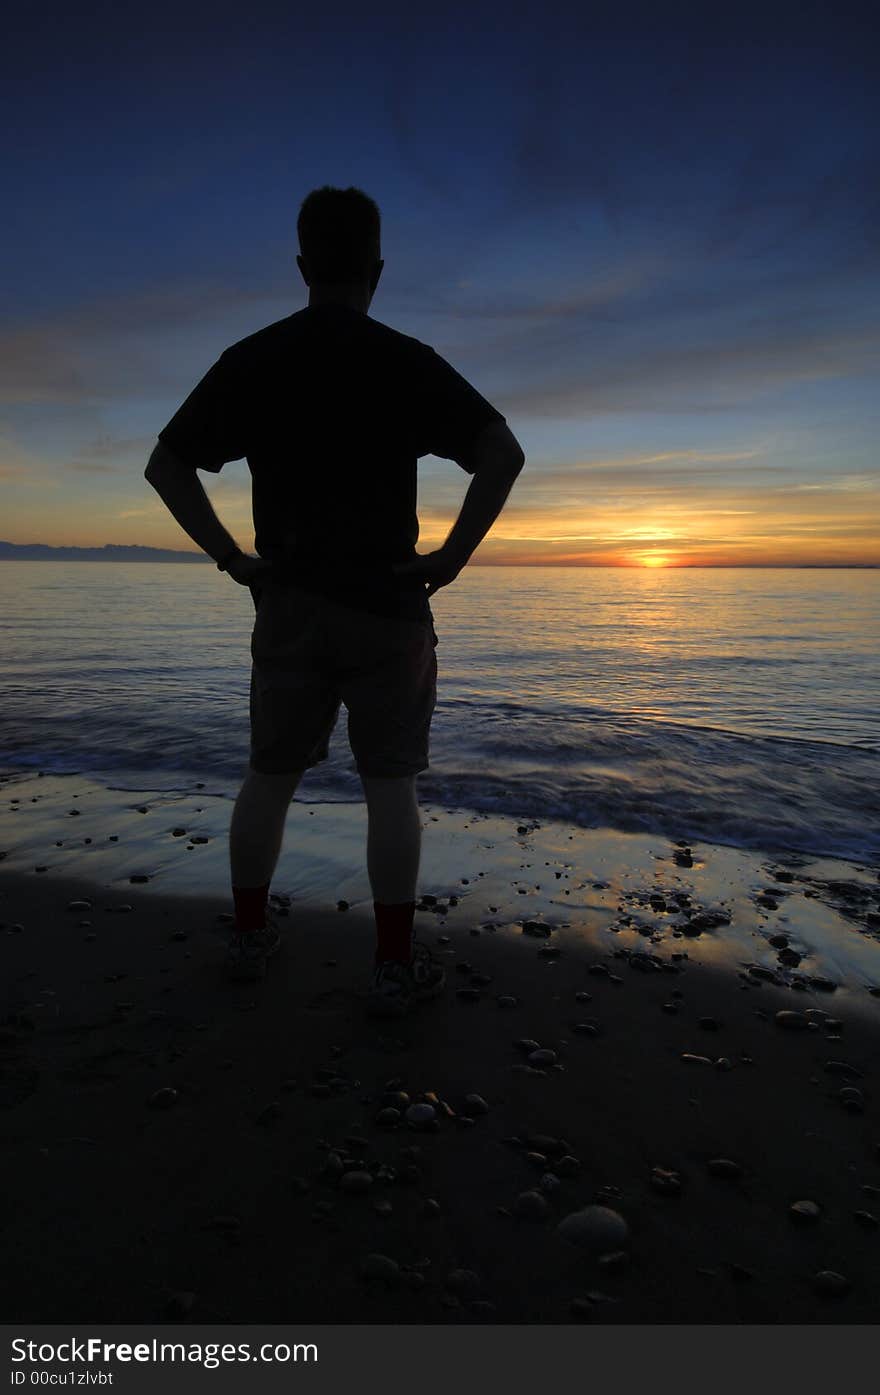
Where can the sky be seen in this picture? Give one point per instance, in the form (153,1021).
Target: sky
(649,235)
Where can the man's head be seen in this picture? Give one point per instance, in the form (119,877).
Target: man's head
(340,243)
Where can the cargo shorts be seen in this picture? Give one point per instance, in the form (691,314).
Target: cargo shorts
(311,654)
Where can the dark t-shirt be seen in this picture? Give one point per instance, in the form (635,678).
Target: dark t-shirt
(332,410)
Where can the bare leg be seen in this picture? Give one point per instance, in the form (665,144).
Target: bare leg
(257,828)
(394,838)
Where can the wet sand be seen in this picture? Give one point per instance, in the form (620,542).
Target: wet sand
(175,1146)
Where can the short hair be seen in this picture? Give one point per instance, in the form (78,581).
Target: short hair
(339,233)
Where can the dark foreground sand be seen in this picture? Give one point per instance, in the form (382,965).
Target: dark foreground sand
(226,1204)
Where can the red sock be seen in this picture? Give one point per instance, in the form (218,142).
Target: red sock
(250,907)
(394,931)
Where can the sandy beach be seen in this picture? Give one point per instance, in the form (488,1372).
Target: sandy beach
(177,1147)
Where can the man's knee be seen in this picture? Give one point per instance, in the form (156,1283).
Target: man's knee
(274,779)
(394,796)
(385,785)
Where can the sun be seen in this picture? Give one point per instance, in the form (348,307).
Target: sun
(655,559)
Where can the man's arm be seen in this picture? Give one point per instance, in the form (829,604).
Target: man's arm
(495,459)
(180,488)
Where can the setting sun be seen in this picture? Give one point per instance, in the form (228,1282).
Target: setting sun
(655,560)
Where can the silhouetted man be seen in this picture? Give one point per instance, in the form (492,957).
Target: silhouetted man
(332,410)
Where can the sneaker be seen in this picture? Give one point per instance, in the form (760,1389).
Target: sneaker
(398,988)
(249,950)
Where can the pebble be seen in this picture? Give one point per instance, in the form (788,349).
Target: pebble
(582,997)
(805,1211)
(794,1021)
(708,1024)
(852,1099)
(597,1229)
(342,905)
(666,1181)
(614,1262)
(79,905)
(535,927)
(843,1068)
(380,1267)
(462,1281)
(544,1143)
(420,1116)
(866,1218)
(475,1105)
(567,1165)
(830,1284)
(689,1059)
(531,1206)
(724,1167)
(527,1045)
(163,1098)
(396,1099)
(507,1001)
(757,971)
(590,1028)
(356,1182)
(542,1057)
(388,1118)
(223,1223)
(483,1307)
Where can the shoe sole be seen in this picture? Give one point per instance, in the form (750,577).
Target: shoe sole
(244,972)
(387,1007)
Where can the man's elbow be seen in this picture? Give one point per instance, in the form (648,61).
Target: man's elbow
(155,463)
(162,463)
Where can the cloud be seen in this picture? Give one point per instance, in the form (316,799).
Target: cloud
(119,347)
(103,454)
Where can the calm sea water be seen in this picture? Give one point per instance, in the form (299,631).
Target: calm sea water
(734,705)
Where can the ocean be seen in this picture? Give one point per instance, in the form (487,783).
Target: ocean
(732,705)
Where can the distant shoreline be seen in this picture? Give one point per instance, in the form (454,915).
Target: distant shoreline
(117,552)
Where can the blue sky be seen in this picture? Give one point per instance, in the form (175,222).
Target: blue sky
(648,234)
